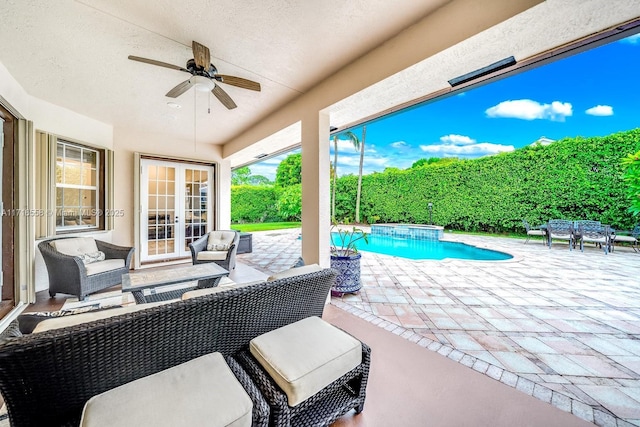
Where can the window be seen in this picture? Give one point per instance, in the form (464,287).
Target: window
(79,187)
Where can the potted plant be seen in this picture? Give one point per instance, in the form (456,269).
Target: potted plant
(346,259)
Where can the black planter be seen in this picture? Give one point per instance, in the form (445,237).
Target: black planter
(348,280)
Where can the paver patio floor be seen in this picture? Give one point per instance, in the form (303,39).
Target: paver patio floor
(563,326)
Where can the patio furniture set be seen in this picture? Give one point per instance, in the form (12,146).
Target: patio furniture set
(81,266)
(583,231)
(254,354)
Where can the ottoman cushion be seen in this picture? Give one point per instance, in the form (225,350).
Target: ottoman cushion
(201,392)
(306,356)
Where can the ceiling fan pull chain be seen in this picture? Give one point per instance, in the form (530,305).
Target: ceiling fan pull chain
(209,108)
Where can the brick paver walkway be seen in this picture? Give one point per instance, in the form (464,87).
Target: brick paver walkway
(563,326)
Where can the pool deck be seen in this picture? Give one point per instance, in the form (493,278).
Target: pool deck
(560,325)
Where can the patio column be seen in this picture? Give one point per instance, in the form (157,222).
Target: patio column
(315,188)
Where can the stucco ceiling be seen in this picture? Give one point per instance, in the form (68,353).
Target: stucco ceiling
(74,54)
(542,28)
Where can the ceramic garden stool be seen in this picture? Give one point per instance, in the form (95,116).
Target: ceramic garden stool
(310,372)
(206,391)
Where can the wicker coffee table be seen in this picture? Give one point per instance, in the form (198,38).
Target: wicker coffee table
(208,275)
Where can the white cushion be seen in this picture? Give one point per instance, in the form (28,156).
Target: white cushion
(618,238)
(63,322)
(102,266)
(220,238)
(306,356)
(200,392)
(306,269)
(212,255)
(75,246)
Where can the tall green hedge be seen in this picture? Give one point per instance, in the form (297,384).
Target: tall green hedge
(251,203)
(574,178)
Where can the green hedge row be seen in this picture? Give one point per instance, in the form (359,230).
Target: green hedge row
(265,203)
(251,203)
(574,178)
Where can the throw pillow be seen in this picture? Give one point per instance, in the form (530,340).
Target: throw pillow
(28,321)
(12,331)
(92,257)
(218,247)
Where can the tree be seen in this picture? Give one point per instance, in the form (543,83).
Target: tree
(290,203)
(359,191)
(240,176)
(422,162)
(632,178)
(259,180)
(356,142)
(289,171)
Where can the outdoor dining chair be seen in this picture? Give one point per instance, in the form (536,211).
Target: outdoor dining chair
(560,229)
(593,232)
(626,237)
(533,231)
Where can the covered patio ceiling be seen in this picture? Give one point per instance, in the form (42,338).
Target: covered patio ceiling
(358,58)
(527,37)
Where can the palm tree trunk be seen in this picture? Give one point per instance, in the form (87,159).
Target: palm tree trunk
(335,176)
(364,133)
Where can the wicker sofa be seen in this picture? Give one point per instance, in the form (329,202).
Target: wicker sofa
(46,377)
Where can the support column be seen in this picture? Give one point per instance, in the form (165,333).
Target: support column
(316,220)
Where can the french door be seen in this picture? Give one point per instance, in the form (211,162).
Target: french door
(176,207)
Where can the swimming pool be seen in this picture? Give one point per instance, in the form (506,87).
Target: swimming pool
(426,249)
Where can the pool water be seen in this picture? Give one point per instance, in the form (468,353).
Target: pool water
(425,249)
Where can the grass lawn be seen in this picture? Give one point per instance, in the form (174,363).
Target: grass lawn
(264,226)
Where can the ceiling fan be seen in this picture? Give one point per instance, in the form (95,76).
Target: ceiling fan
(203,73)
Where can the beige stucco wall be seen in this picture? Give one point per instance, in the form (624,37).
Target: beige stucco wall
(128,141)
(51,118)
(125,142)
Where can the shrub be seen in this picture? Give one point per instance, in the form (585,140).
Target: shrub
(253,203)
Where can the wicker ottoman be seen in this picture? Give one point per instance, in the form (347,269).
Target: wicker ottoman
(310,372)
(206,391)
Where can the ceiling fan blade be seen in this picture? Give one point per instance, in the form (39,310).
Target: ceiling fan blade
(180,89)
(160,63)
(239,82)
(201,54)
(223,97)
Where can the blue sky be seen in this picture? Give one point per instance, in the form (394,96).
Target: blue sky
(593,93)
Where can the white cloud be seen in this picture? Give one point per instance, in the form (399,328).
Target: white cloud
(457,139)
(600,110)
(463,146)
(527,109)
(347,161)
(344,146)
(398,144)
(634,39)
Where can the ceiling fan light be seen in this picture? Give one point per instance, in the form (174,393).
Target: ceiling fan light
(202,84)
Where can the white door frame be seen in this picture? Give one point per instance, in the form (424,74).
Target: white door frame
(170,216)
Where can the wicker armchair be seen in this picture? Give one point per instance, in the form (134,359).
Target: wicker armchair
(225,258)
(68,274)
